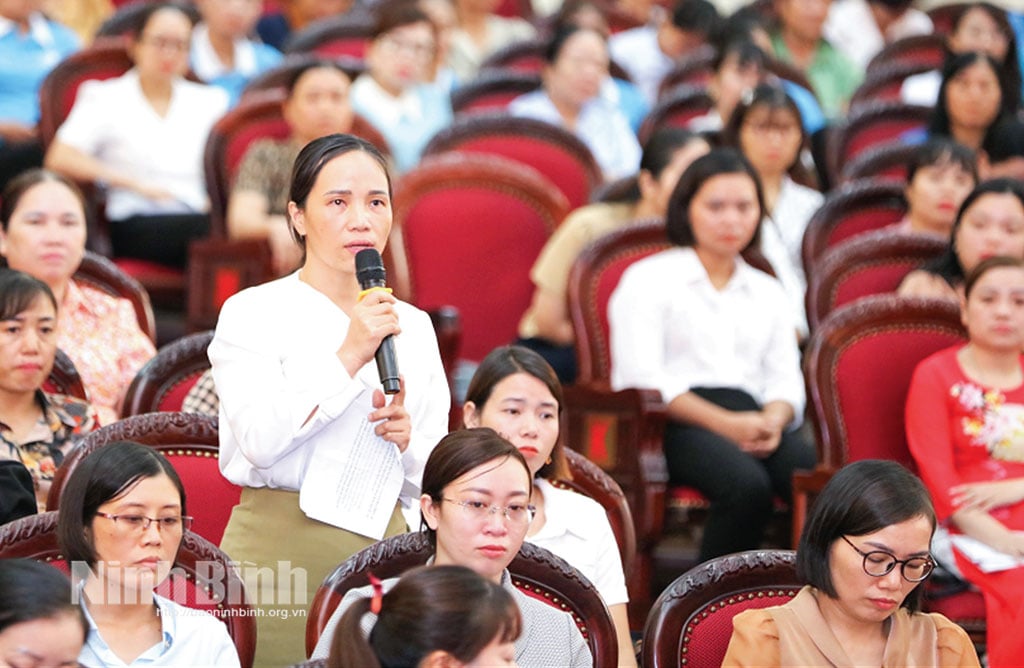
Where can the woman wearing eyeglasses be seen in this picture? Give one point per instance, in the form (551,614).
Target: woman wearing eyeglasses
(965,428)
(863,553)
(121,521)
(475,510)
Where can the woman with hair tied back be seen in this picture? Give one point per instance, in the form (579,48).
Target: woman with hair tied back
(863,554)
(39,624)
(434,617)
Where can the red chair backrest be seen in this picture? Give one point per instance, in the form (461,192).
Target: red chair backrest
(676,109)
(885,82)
(553,151)
(345,35)
(691,622)
(190,442)
(203,577)
(493,90)
(888,162)
(164,381)
(467,230)
(872,125)
(850,210)
(858,365)
(98,272)
(869,264)
(64,378)
(926,50)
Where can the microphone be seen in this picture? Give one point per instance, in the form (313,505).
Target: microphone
(370,274)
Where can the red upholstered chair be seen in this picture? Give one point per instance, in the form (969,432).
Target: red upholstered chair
(534,570)
(190,442)
(528,56)
(553,151)
(695,68)
(883,83)
(493,90)
(98,272)
(872,125)
(927,50)
(276,78)
(347,34)
(162,383)
(467,229)
(886,162)
(676,108)
(849,210)
(942,16)
(691,622)
(871,263)
(203,577)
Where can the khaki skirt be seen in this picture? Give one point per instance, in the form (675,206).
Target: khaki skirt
(283,557)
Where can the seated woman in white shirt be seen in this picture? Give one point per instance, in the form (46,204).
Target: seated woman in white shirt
(766,127)
(517,394)
(576,65)
(142,135)
(717,338)
(475,510)
(121,521)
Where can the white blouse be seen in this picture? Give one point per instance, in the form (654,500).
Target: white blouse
(672,330)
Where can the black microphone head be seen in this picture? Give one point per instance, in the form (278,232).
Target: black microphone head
(370,268)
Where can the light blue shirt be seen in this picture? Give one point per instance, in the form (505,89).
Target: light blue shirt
(250,59)
(25,60)
(600,125)
(191,638)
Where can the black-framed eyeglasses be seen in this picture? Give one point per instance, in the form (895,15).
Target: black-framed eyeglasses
(140,523)
(878,563)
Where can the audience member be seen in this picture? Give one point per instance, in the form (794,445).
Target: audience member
(433,616)
(648,53)
(43,221)
(275,27)
(84,17)
(963,426)
(393,93)
(575,67)
(517,394)
(121,520)
(479,32)
(766,128)
(293,365)
(738,68)
(861,28)
(546,326)
(990,222)
(30,45)
(733,392)
(317,104)
(39,625)
(977,26)
(799,40)
(940,175)
(222,53)
(863,555)
(977,110)
(142,134)
(37,428)
(442,15)
(475,510)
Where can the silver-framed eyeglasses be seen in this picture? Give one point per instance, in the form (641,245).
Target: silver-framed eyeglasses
(878,563)
(140,523)
(517,513)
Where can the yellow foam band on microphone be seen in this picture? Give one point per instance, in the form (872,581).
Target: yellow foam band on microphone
(363,293)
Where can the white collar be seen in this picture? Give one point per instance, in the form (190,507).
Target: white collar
(207,65)
(692,271)
(386,106)
(38,29)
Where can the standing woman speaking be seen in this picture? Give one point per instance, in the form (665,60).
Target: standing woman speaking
(293,365)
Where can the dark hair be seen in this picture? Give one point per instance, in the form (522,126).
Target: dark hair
(897,5)
(394,14)
(861,498)
(103,475)
(947,266)
(311,160)
(25,181)
(987,265)
(458,453)
(699,16)
(507,361)
(743,51)
(318,64)
(31,590)
(1010,68)
(942,151)
(719,161)
(430,608)
(561,35)
(144,16)
(940,125)
(18,291)
(742,24)
(773,98)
